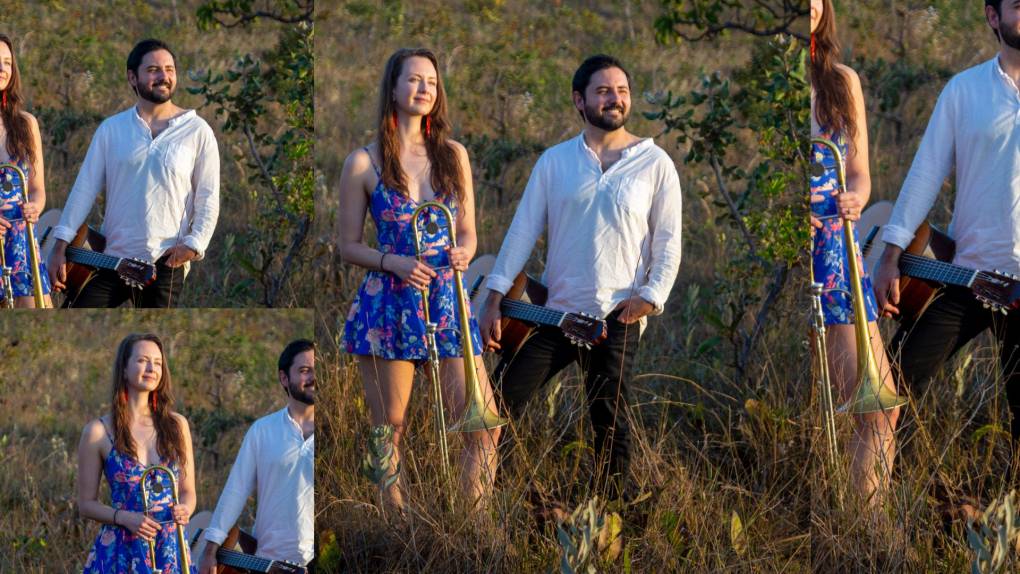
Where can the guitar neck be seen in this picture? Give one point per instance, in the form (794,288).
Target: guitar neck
(934,270)
(247,562)
(531,313)
(91,258)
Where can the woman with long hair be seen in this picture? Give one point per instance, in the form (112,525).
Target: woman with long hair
(837,113)
(20,145)
(139,432)
(412,160)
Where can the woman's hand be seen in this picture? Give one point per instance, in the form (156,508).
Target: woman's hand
(409,270)
(138,524)
(460,258)
(815,222)
(30,211)
(849,204)
(182,514)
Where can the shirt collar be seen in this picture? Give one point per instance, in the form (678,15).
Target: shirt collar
(628,151)
(1002,74)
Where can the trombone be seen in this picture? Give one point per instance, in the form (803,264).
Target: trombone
(33,249)
(477,415)
(182,541)
(871,395)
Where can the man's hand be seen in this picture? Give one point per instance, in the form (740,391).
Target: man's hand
(887,281)
(57,265)
(490,322)
(208,565)
(179,255)
(633,309)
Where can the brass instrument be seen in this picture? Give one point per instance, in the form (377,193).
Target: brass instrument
(5,276)
(871,395)
(824,380)
(33,248)
(477,415)
(182,541)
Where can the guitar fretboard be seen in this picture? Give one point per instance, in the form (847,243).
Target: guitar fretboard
(91,258)
(236,559)
(531,313)
(934,270)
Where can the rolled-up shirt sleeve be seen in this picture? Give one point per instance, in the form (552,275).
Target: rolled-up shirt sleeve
(239,487)
(205,181)
(665,223)
(525,229)
(91,178)
(932,164)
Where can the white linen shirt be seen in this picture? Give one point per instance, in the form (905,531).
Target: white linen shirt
(276,459)
(611,235)
(158,190)
(976,122)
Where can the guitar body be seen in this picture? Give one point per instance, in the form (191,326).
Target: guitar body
(916,294)
(515,332)
(79,275)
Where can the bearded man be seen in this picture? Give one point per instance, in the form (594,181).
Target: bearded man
(160,166)
(611,203)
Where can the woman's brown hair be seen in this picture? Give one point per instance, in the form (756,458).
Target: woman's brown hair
(834,104)
(19,134)
(435,128)
(169,435)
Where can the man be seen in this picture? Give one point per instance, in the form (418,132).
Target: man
(611,203)
(973,128)
(277,458)
(161,169)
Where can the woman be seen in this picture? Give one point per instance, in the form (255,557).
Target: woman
(21,146)
(412,161)
(139,432)
(837,106)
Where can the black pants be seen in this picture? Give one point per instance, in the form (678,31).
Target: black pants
(954,318)
(607,368)
(106,290)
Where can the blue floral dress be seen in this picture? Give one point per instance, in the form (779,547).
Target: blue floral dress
(828,251)
(116,549)
(387,319)
(16,238)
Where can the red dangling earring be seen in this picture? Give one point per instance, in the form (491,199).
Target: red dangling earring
(123,395)
(394,119)
(428,126)
(152,400)
(812,47)
(5,99)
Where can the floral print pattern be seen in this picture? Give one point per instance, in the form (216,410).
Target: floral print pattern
(16,238)
(116,549)
(387,319)
(828,251)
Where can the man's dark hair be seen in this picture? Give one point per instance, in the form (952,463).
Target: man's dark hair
(144,47)
(594,64)
(292,350)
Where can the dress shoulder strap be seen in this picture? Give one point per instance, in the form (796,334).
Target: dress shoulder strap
(106,428)
(378,172)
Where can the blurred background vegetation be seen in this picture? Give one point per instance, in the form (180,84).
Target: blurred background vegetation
(55,377)
(723,376)
(249,77)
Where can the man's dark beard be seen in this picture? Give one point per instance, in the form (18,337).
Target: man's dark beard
(598,119)
(300,394)
(150,95)
(1009,38)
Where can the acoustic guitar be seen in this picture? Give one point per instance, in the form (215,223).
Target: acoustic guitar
(237,553)
(926,265)
(85,256)
(522,310)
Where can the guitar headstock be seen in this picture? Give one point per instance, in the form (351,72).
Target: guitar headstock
(278,567)
(997,290)
(583,330)
(136,273)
